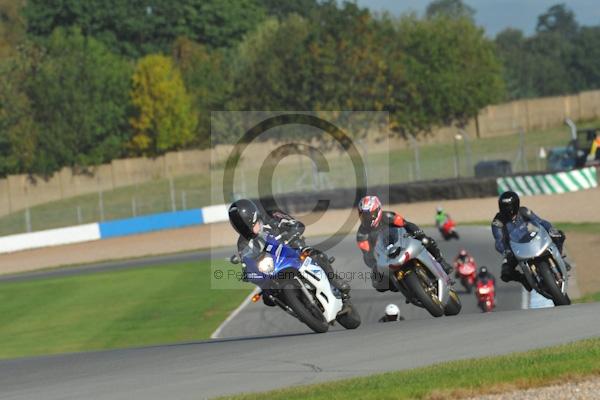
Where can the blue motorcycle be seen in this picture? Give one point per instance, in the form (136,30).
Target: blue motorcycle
(292,280)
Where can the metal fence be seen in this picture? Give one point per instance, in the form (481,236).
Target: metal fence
(417,162)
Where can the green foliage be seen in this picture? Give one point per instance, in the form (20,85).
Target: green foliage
(450,73)
(135,28)
(18,131)
(206,76)
(79,99)
(12,26)
(164,118)
(281,9)
(455,9)
(561,58)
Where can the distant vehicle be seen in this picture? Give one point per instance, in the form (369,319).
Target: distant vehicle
(493,168)
(575,153)
(465,272)
(485,293)
(448,229)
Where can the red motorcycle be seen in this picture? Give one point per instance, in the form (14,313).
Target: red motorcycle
(486,293)
(448,229)
(466,271)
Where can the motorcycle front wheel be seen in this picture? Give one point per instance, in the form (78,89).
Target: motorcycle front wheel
(351,319)
(423,290)
(303,308)
(551,286)
(454,305)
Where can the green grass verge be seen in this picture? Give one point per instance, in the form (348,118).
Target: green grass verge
(131,307)
(589,298)
(460,378)
(437,162)
(583,227)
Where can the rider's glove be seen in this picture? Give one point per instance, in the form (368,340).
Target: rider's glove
(508,255)
(419,234)
(554,232)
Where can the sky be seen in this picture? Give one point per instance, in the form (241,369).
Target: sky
(496,15)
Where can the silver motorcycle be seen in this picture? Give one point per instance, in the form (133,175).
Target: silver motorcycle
(412,270)
(540,261)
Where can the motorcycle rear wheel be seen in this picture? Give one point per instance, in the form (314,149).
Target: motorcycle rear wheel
(550,285)
(420,290)
(298,302)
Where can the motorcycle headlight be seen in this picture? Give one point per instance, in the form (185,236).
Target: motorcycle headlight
(266,265)
(484,290)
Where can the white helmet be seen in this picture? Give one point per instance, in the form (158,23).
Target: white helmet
(439,209)
(392,310)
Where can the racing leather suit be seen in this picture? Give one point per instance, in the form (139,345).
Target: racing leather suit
(502,225)
(289,230)
(367,237)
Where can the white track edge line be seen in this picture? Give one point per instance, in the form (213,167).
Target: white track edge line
(234,313)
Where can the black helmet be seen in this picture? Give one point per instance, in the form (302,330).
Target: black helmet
(483,270)
(508,204)
(243,216)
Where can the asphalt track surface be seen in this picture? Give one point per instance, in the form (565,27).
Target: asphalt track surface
(268,349)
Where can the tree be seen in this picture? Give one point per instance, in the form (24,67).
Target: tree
(450,72)
(558,19)
(283,8)
(12,28)
(135,28)
(205,73)
(18,130)
(164,117)
(455,9)
(75,92)
(585,68)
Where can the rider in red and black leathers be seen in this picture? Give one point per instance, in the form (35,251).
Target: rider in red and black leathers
(373,219)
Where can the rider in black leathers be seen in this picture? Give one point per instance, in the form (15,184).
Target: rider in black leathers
(254,225)
(512,214)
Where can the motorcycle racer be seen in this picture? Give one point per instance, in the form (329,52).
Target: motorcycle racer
(463,257)
(512,214)
(484,275)
(253,226)
(440,217)
(372,220)
(392,314)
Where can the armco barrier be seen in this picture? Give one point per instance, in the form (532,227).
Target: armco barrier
(50,237)
(303,202)
(555,183)
(448,189)
(150,223)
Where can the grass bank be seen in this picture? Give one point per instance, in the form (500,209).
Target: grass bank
(460,378)
(135,307)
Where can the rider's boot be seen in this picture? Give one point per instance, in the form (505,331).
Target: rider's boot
(344,288)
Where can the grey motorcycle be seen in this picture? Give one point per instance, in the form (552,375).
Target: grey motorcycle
(540,261)
(413,271)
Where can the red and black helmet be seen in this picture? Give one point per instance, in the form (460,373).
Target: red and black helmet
(369,211)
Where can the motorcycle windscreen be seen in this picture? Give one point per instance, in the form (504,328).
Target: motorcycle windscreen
(387,241)
(528,240)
